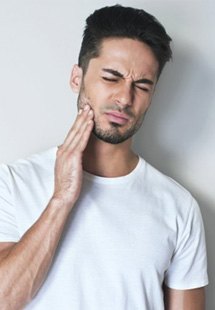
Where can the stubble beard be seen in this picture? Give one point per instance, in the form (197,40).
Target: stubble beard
(113,134)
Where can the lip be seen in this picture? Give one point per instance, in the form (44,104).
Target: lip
(117,117)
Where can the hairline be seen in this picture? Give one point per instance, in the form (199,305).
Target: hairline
(111,37)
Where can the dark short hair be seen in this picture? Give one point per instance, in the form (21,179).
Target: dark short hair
(123,22)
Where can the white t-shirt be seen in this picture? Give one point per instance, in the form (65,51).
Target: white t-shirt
(125,237)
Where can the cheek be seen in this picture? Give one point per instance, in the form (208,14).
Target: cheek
(142,106)
(97,97)
(85,97)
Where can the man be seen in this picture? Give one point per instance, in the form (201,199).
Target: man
(90,225)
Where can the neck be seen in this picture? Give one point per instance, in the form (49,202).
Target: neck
(109,160)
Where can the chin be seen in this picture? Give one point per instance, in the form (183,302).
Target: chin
(112,135)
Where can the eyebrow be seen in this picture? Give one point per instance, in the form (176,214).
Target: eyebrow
(113,72)
(120,75)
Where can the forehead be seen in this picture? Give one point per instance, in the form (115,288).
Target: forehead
(128,56)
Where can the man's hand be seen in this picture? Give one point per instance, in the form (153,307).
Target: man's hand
(68,166)
(24,265)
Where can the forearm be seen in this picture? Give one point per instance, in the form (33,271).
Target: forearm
(193,299)
(24,266)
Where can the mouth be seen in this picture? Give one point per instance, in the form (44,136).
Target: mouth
(117,117)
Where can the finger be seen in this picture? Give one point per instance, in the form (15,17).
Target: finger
(86,135)
(80,121)
(83,131)
(82,114)
(76,135)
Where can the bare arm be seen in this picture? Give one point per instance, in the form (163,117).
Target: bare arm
(24,265)
(193,299)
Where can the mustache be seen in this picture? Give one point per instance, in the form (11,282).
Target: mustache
(82,101)
(114,107)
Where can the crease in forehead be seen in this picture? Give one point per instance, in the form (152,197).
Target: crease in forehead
(128,56)
(142,78)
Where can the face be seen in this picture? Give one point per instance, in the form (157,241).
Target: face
(119,85)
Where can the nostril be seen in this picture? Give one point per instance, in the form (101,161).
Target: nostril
(124,98)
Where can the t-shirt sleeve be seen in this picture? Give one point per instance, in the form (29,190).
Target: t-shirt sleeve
(188,267)
(8,225)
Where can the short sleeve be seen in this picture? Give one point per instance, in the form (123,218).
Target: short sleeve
(8,225)
(188,268)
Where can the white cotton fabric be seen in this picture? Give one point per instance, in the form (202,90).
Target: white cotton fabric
(125,237)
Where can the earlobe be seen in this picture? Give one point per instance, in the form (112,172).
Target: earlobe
(76,78)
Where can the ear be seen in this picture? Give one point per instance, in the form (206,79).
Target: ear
(76,78)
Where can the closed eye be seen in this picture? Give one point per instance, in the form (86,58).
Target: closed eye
(109,79)
(142,88)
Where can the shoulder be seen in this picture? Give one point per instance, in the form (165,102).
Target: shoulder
(36,165)
(161,183)
(167,191)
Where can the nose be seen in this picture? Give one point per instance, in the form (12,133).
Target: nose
(124,94)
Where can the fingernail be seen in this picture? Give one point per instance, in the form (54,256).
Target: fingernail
(80,111)
(86,107)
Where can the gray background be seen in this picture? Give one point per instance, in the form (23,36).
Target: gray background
(39,43)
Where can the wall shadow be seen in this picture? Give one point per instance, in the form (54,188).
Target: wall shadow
(176,123)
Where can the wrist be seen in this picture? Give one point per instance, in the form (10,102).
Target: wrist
(60,204)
